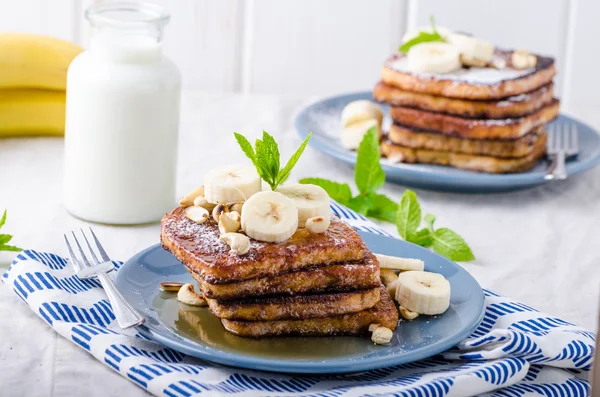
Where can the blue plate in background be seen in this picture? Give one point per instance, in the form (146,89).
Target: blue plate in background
(323,120)
(196,332)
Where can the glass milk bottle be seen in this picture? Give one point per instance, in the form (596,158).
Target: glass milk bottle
(122,118)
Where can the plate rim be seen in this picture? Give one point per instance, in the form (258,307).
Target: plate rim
(312,366)
(471,180)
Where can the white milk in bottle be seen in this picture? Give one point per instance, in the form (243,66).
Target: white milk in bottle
(122,118)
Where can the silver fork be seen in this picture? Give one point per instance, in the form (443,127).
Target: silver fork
(126,315)
(563,142)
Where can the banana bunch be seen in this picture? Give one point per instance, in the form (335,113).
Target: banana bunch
(33,80)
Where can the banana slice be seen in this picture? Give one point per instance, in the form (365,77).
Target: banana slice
(353,134)
(231,183)
(411,34)
(434,57)
(361,110)
(269,216)
(310,200)
(389,280)
(397,263)
(423,292)
(473,51)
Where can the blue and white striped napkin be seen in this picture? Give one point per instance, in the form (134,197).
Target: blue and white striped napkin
(515,351)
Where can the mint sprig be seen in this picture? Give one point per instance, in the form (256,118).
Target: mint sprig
(266,158)
(369,177)
(422,37)
(5,238)
(443,241)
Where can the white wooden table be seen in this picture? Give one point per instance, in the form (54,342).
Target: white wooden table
(540,246)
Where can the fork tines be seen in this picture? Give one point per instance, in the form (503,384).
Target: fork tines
(563,136)
(82,262)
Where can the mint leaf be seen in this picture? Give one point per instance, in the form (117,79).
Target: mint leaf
(429,220)
(10,248)
(421,237)
(368,174)
(423,37)
(5,238)
(408,217)
(272,153)
(451,245)
(266,158)
(339,192)
(360,204)
(263,162)
(383,208)
(246,147)
(285,172)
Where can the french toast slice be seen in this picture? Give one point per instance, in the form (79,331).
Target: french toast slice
(496,165)
(294,307)
(507,148)
(470,83)
(384,313)
(328,278)
(513,106)
(198,247)
(474,128)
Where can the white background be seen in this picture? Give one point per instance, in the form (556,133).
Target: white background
(323,47)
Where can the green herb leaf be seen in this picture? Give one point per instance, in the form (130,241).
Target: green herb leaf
(272,153)
(422,37)
(246,147)
(448,243)
(421,237)
(339,192)
(360,204)
(285,172)
(408,217)
(383,208)
(429,220)
(263,162)
(10,248)
(266,158)
(5,238)
(368,174)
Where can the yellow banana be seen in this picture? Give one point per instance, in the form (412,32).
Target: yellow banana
(31,112)
(34,61)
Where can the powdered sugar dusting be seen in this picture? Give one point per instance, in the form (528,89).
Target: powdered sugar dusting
(482,76)
(201,243)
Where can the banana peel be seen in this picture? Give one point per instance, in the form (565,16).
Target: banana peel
(32,112)
(35,61)
(33,80)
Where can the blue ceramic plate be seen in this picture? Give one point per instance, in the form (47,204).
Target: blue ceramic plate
(196,332)
(323,120)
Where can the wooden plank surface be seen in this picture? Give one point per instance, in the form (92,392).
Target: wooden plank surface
(321,46)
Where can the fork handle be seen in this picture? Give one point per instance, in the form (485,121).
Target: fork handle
(557,169)
(126,315)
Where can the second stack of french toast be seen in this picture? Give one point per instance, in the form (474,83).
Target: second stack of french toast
(458,101)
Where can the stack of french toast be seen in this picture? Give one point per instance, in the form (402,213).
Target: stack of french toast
(276,263)
(461,102)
